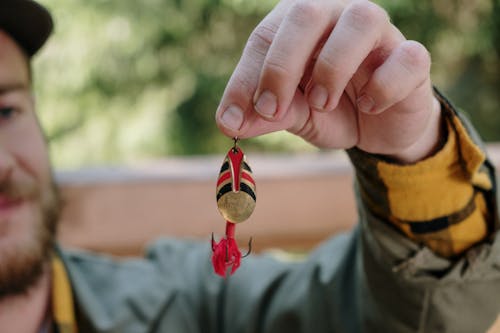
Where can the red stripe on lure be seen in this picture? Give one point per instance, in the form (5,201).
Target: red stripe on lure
(236,202)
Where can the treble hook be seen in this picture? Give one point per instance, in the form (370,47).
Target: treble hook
(249,248)
(227,254)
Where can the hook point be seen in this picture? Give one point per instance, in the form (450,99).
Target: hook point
(249,248)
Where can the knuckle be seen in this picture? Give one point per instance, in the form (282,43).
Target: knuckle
(277,69)
(415,56)
(383,90)
(261,38)
(243,82)
(305,12)
(363,14)
(331,69)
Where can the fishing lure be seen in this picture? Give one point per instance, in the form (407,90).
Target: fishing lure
(236,201)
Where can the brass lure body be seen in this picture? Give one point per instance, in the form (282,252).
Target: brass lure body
(235,187)
(236,200)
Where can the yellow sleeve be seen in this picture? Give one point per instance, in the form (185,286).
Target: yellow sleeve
(438,202)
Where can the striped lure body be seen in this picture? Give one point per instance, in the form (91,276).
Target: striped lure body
(236,201)
(235,187)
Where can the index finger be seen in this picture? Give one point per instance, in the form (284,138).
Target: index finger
(236,106)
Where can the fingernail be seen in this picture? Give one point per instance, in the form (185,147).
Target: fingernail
(365,104)
(232,118)
(318,96)
(267,104)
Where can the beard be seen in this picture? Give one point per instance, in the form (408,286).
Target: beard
(22,263)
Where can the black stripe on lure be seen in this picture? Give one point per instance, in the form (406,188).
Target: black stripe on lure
(236,201)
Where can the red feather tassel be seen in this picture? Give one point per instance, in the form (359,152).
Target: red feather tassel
(226,254)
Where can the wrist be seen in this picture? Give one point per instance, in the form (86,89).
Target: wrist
(429,143)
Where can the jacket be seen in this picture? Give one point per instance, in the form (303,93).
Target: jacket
(389,274)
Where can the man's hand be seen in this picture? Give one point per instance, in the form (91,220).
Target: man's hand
(338,74)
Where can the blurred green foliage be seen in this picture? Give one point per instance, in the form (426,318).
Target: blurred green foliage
(123,80)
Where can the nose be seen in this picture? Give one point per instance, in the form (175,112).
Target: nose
(6,164)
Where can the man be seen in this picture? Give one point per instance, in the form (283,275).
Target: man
(424,257)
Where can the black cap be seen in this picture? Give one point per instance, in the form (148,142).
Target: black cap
(27,22)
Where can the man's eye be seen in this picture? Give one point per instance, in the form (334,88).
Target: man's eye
(7,112)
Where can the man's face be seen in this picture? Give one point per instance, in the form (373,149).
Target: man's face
(28,200)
